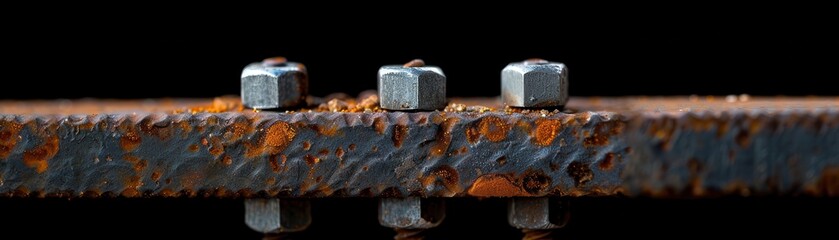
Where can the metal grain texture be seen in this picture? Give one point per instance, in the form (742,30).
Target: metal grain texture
(658,147)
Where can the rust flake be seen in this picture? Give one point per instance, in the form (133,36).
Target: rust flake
(130,140)
(39,156)
(339,153)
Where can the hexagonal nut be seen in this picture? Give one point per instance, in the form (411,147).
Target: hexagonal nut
(412,88)
(537,213)
(277,215)
(281,85)
(534,83)
(411,212)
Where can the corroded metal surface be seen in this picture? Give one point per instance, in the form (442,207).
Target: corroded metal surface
(601,146)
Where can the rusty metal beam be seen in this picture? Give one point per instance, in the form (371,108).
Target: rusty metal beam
(661,147)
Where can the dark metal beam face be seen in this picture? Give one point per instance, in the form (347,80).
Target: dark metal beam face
(601,146)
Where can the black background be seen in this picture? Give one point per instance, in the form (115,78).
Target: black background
(757,56)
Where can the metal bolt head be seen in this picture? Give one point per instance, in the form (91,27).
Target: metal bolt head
(274,84)
(277,215)
(411,212)
(412,87)
(537,213)
(534,83)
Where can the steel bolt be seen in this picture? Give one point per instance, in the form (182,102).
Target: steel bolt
(411,212)
(412,86)
(272,216)
(537,213)
(534,83)
(274,83)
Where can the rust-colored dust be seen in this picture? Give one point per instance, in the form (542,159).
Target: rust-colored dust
(307,145)
(400,131)
(227,160)
(193,148)
(380,125)
(607,162)
(496,185)
(444,137)
(580,172)
(9,131)
(492,128)
(39,156)
(323,153)
(545,132)
(273,141)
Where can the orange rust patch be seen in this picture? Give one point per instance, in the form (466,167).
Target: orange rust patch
(193,148)
(311,160)
(328,131)
(545,132)
(446,174)
(37,157)
(501,160)
(227,160)
(444,137)
(270,181)
(130,140)
(8,137)
(399,133)
(323,152)
(365,168)
(496,185)
(380,125)
(216,147)
(339,152)
(273,141)
(275,166)
(307,145)
(580,172)
(351,147)
(132,187)
(491,127)
(524,125)
(534,182)
(139,164)
(237,130)
(607,162)
(155,176)
(602,132)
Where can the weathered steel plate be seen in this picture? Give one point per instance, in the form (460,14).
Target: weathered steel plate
(677,146)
